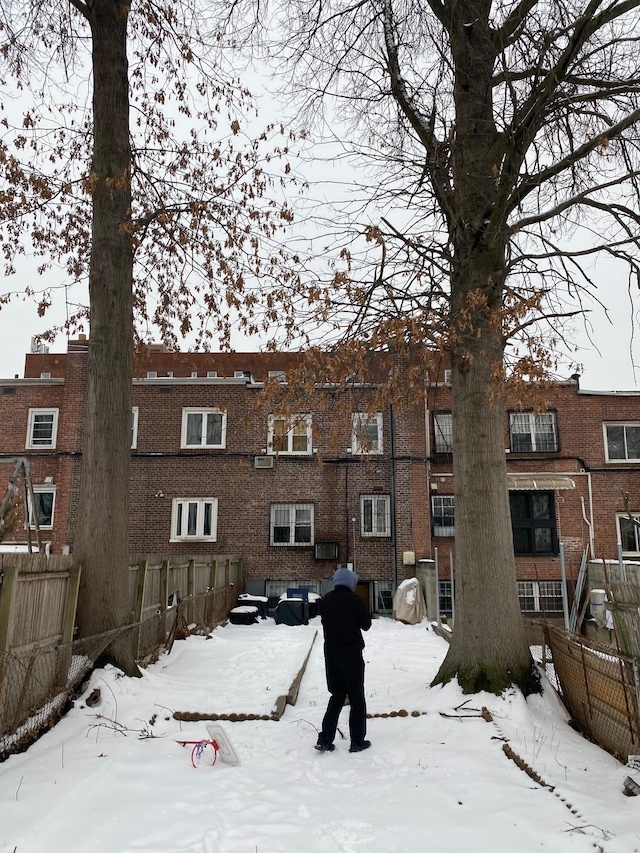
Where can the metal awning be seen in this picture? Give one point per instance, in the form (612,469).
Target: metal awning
(532,482)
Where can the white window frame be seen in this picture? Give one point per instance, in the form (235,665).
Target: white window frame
(179,520)
(636,530)
(51,443)
(518,419)
(42,490)
(376,528)
(294,421)
(358,419)
(626,459)
(292,524)
(134,427)
(204,413)
(537,591)
(441,530)
(442,430)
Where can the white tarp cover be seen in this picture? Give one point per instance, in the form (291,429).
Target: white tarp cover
(408,602)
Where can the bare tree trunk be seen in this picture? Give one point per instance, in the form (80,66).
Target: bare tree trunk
(102,535)
(488,650)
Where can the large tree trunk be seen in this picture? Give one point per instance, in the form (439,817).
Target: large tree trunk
(102,535)
(488,650)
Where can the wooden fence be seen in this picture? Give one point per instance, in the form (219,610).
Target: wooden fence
(201,590)
(599,686)
(40,663)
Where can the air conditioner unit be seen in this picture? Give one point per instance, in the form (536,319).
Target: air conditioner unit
(264,461)
(326,551)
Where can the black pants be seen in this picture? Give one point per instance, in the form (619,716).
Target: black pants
(345,677)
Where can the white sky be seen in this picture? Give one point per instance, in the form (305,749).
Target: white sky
(607,353)
(428,783)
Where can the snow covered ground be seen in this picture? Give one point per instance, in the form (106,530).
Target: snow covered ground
(439,780)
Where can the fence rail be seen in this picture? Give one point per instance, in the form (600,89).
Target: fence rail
(41,666)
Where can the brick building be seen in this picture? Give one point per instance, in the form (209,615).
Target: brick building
(214,471)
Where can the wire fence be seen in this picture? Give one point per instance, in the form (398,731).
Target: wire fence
(38,684)
(600,688)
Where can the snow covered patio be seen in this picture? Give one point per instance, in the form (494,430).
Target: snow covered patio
(111,778)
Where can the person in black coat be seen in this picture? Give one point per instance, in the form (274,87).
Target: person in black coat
(344,618)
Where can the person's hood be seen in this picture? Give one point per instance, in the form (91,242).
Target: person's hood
(345,577)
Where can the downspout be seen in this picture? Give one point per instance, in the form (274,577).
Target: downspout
(394,555)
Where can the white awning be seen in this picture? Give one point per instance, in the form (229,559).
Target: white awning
(531,482)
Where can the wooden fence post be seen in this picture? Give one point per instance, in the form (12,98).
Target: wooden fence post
(69,618)
(164,598)
(140,590)
(7,599)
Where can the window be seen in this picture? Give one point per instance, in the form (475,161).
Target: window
(291,524)
(533,433)
(194,519)
(442,432)
(628,533)
(289,435)
(134,427)
(444,517)
(445,597)
(375,515)
(622,442)
(42,428)
(533,522)
(204,428)
(383,597)
(367,433)
(540,596)
(45,498)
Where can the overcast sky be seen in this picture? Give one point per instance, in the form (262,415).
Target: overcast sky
(607,359)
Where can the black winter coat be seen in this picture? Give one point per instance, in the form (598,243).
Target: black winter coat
(344,617)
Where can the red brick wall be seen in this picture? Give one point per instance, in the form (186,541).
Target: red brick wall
(333,481)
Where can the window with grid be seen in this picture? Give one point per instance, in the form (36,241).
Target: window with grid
(629,532)
(194,519)
(445,600)
(367,433)
(533,433)
(375,515)
(442,432)
(540,596)
(289,435)
(622,442)
(291,524)
(204,428)
(45,498)
(533,522)
(42,428)
(444,515)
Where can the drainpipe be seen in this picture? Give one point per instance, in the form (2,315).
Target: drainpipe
(394,554)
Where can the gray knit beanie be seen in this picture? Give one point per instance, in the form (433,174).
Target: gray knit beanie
(345,577)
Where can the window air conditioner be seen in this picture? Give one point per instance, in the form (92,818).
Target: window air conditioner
(326,551)
(264,461)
